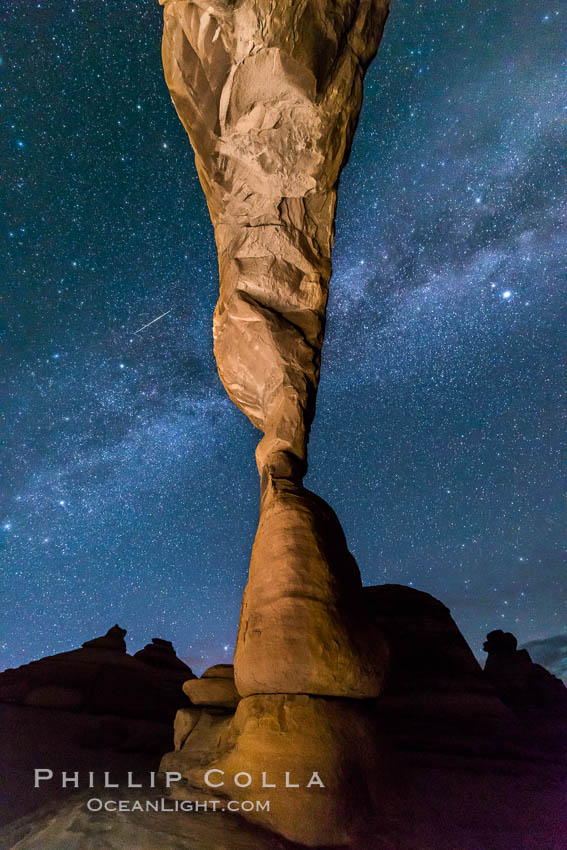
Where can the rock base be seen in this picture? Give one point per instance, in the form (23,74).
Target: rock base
(311,765)
(302,628)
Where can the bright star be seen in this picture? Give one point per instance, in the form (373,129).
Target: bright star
(507,294)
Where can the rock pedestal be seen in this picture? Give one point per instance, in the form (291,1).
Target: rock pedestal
(319,763)
(269,93)
(216,691)
(302,626)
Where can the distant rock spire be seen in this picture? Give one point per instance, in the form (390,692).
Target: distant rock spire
(113,639)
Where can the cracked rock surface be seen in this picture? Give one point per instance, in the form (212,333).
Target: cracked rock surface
(269,93)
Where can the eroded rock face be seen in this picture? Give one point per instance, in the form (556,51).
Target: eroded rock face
(269,94)
(318,761)
(219,671)
(212,691)
(184,723)
(302,626)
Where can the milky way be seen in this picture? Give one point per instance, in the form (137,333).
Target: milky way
(131,493)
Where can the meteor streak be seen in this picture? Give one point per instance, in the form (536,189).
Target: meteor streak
(152,321)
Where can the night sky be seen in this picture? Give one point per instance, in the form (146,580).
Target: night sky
(130,487)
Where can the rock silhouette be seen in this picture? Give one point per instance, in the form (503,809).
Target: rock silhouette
(101,678)
(96,709)
(516,678)
(434,681)
(437,732)
(551,653)
(160,654)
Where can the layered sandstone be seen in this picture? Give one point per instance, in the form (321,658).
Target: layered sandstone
(320,764)
(269,94)
(303,625)
(216,691)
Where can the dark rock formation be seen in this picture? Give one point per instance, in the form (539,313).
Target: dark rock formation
(160,654)
(113,639)
(436,695)
(428,654)
(427,650)
(436,762)
(101,678)
(534,694)
(518,681)
(92,709)
(551,653)
(69,740)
